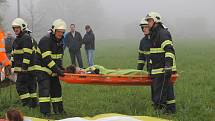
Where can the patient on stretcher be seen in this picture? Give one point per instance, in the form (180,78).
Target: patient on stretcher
(97,69)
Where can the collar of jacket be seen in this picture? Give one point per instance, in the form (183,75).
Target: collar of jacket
(72,33)
(20,34)
(90,32)
(52,36)
(156,28)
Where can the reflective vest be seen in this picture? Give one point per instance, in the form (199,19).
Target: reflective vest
(3,57)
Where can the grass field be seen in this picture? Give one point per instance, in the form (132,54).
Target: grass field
(195,88)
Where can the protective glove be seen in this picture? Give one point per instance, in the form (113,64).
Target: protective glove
(7,70)
(60,72)
(167,71)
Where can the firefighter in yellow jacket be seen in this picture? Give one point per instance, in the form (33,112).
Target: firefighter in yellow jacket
(49,66)
(163,65)
(22,62)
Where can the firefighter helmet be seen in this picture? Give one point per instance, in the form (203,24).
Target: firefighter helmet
(58,24)
(19,22)
(155,16)
(143,22)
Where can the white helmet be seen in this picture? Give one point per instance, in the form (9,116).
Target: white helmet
(58,24)
(143,22)
(155,16)
(19,22)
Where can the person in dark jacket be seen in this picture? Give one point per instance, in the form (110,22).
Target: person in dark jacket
(73,41)
(162,57)
(49,67)
(22,62)
(89,41)
(144,47)
(8,43)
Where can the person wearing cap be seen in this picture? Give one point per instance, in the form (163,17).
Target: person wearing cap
(144,47)
(49,67)
(22,62)
(89,41)
(163,63)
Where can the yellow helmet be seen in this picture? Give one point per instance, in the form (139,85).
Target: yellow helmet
(143,22)
(58,24)
(155,16)
(20,23)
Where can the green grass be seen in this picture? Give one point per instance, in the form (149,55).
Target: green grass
(195,88)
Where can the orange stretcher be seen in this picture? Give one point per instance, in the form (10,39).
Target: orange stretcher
(110,79)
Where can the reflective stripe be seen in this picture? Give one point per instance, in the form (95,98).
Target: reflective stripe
(170,102)
(27,50)
(166,42)
(45,54)
(2,49)
(150,61)
(57,99)
(56,56)
(38,50)
(27,61)
(156,50)
(157,71)
(39,68)
(174,67)
(171,55)
(141,61)
(18,69)
(168,54)
(51,64)
(33,95)
(24,96)
(44,99)
(18,51)
(11,59)
(144,52)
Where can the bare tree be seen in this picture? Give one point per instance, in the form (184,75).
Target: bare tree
(1,7)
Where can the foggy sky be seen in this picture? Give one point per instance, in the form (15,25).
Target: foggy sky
(120,18)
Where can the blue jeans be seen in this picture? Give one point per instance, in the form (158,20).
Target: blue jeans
(90,56)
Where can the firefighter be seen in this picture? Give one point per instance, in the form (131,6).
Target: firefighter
(163,65)
(49,66)
(22,62)
(144,47)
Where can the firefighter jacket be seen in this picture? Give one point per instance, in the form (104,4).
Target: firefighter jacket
(22,54)
(162,53)
(49,55)
(144,53)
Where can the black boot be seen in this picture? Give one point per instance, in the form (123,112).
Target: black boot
(170,109)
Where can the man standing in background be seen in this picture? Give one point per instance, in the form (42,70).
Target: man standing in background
(73,41)
(89,41)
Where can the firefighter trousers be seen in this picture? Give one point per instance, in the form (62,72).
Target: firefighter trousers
(26,86)
(50,92)
(162,92)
